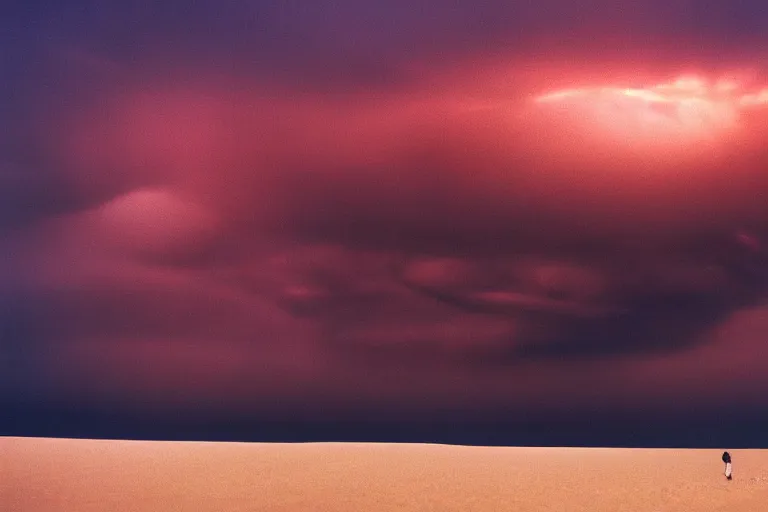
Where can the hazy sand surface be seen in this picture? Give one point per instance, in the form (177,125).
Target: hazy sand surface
(41,475)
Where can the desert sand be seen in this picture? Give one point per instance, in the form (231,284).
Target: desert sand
(47,475)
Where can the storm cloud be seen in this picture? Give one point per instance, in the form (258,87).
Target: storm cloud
(350,207)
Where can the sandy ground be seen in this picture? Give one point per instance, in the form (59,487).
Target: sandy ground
(42,475)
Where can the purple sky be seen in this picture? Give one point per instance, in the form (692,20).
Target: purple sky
(245,212)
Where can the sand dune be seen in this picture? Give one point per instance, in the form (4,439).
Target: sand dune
(47,475)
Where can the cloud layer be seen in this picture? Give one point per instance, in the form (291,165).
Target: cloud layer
(339,223)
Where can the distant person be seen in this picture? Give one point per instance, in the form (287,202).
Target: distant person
(728,469)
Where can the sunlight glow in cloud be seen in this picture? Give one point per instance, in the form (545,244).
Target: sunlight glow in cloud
(688,109)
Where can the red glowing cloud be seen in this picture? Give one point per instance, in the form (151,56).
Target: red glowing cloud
(670,117)
(478,219)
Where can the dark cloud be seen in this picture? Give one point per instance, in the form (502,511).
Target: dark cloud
(328,209)
(28,195)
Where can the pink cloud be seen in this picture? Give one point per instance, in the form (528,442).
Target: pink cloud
(238,239)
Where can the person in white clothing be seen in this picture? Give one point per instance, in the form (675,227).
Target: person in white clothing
(728,467)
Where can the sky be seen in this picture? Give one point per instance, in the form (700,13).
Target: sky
(423,221)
